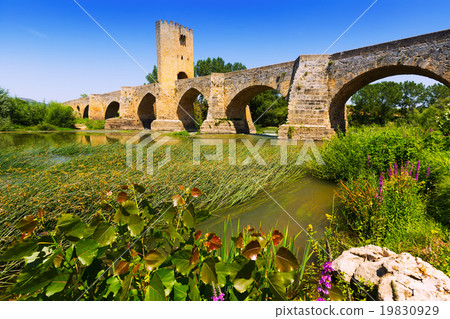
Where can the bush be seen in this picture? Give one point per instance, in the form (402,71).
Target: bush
(5,123)
(46,127)
(60,115)
(27,114)
(92,124)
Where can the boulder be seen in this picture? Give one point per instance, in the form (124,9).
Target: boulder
(395,276)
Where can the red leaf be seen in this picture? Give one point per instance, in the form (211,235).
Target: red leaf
(197,234)
(214,242)
(277,237)
(261,231)
(136,268)
(124,187)
(178,200)
(195,192)
(122,197)
(194,255)
(41,213)
(239,242)
(252,250)
(181,187)
(121,268)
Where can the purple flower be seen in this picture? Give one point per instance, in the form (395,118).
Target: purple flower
(390,171)
(320,299)
(368,160)
(380,187)
(417,170)
(395,169)
(216,297)
(428,171)
(325,280)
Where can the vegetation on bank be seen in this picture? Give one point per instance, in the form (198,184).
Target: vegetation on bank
(393,190)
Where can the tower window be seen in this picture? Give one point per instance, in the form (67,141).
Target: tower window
(182,40)
(181,57)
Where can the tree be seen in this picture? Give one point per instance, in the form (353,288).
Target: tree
(375,103)
(84,95)
(216,65)
(270,108)
(5,110)
(152,77)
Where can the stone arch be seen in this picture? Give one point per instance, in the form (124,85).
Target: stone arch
(146,110)
(78,108)
(186,111)
(86,112)
(238,111)
(112,110)
(182,75)
(337,110)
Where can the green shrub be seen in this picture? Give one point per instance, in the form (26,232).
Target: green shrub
(92,124)
(46,127)
(26,113)
(60,115)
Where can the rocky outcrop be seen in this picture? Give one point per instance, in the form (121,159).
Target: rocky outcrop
(395,276)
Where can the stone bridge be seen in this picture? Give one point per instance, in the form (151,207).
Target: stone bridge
(315,86)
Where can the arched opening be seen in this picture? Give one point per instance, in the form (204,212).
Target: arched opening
(146,110)
(338,112)
(181,76)
(86,112)
(257,109)
(192,110)
(112,110)
(78,108)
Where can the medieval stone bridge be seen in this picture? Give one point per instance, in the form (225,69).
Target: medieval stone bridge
(316,87)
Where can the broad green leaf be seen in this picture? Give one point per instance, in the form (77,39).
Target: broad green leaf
(139,188)
(174,235)
(22,249)
(104,234)
(194,292)
(168,212)
(277,286)
(155,289)
(86,250)
(208,274)
(223,270)
(285,260)
(114,285)
(57,285)
(126,285)
(180,291)
(135,225)
(27,224)
(189,216)
(30,286)
(251,250)
(181,260)
(242,284)
(71,226)
(153,259)
(167,277)
(130,207)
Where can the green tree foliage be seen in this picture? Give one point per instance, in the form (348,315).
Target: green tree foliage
(216,65)
(5,110)
(152,77)
(27,114)
(59,115)
(408,101)
(270,108)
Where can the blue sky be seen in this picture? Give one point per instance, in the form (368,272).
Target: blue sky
(52,50)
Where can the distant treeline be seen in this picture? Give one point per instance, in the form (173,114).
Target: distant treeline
(16,113)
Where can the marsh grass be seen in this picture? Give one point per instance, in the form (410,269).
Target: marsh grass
(76,178)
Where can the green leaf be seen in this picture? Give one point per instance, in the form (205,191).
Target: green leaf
(104,234)
(126,284)
(174,235)
(285,260)
(86,250)
(155,290)
(153,259)
(276,285)
(135,225)
(27,224)
(243,278)
(114,285)
(36,283)
(194,292)
(22,249)
(189,216)
(168,212)
(180,291)
(181,260)
(130,207)
(224,269)
(57,285)
(208,274)
(71,226)
(167,277)
(242,284)
(139,188)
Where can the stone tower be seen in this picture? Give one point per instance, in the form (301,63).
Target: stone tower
(175,51)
